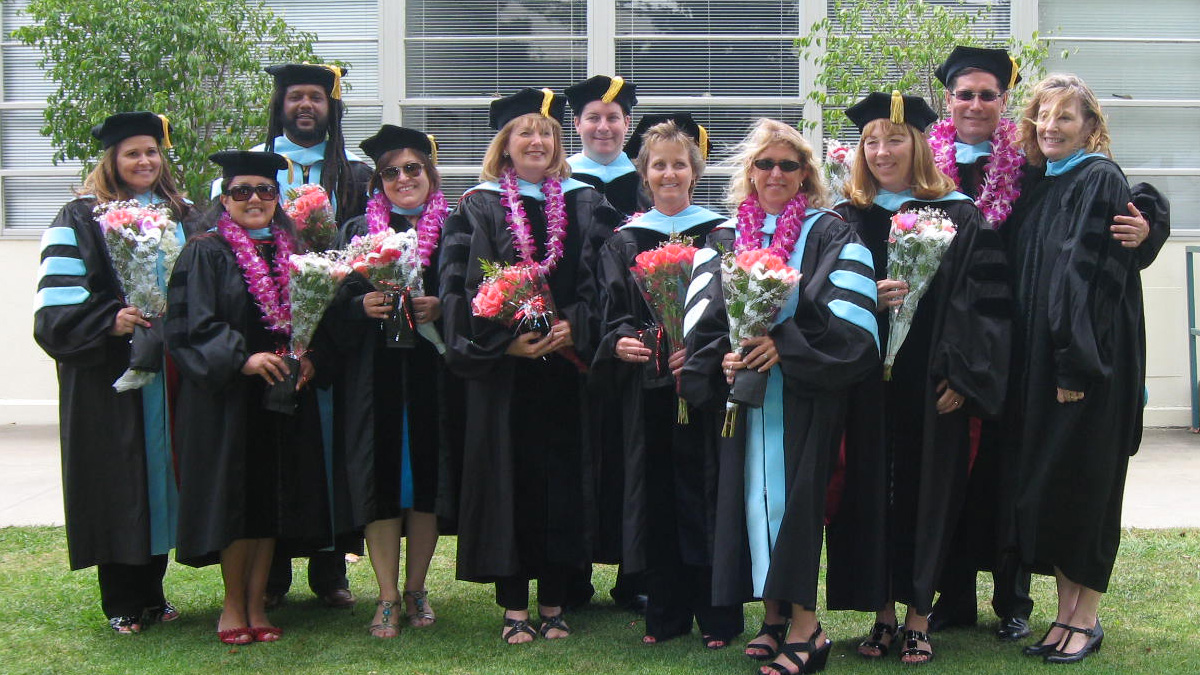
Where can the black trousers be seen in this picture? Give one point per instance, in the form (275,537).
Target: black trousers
(128,590)
(326,573)
(1010,597)
(512,593)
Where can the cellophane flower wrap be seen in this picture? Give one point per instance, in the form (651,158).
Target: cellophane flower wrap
(838,159)
(917,241)
(143,246)
(662,275)
(310,209)
(517,296)
(756,285)
(391,262)
(313,283)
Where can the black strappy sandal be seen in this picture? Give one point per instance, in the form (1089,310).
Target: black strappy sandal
(516,627)
(556,622)
(817,656)
(912,641)
(775,631)
(875,640)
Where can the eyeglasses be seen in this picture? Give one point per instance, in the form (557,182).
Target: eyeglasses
(987,95)
(241,193)
(786,166)
(410,169)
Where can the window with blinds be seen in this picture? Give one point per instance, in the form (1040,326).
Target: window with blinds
(1144,66)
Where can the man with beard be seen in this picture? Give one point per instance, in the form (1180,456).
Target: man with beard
(305,126)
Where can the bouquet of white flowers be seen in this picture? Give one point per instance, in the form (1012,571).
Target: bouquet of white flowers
(916,242)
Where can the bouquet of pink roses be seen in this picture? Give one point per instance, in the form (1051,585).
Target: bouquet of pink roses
(756,284)
(662,275)
(309,208)
(916,242)
(838,159)
(143,246)
(516,296)
(391,262)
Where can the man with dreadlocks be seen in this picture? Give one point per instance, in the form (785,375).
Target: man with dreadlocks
(305,126)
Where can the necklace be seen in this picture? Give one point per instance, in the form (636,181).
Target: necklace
(271,295)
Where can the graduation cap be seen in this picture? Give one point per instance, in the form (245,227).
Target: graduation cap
(116,128)
(528,100)
(602,88)
(391,137)
(320,74)
(683,120)
(248,163)
(995,61)
(911,110)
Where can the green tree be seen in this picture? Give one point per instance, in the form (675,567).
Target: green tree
(864,46)
(199,62)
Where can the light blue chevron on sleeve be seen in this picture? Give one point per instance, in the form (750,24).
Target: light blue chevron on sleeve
(703,256)
(857,253)
(56,296)
(61,266)
(848,311)
(854,282)
(693,315)
(59,236)
(698,284)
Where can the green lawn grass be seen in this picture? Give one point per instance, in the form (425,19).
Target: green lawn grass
(52,624)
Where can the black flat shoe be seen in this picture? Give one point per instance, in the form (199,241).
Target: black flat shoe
(1042,648)
(1095,639)
(1013,628)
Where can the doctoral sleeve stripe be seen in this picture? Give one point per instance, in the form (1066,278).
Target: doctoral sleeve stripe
(57,296)
(59,236)
(854,282)
(852,313)
(858,253)
(698,284)
(693,315)
(61,266)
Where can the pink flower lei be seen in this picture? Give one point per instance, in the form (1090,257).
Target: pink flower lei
(1001,175)
(271,295)
(518,221)
(429,226)
(750,216)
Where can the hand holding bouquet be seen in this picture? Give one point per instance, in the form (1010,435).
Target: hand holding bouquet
(391,262)
(662,275)
(143,246)
(756,284)
(309,208)
(916,243)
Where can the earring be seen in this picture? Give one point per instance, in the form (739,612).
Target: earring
(505,153)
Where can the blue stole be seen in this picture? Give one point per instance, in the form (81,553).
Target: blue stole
(1061,166)
(531,190)
(892,201)
(655,221)
(965,153)
(765,478)
(607,173)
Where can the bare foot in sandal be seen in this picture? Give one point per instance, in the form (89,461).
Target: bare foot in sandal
(516,629)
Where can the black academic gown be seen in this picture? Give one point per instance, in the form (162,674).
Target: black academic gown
(821,356)
(649,409)
(526,492)
(624,193)
(961,333)
(244,472)
(376,388)
(1079,326)
(102,432)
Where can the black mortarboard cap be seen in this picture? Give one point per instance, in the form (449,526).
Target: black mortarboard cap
(911,110)
(116,128)
(683,120)
(528,100)
(248,163)
(995,61)
(321,74)
(602,88)
(391,137)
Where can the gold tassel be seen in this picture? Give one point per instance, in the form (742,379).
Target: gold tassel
(897,107)
(166,143)
(614,88)
(1012,79)
(291,171)
(432,148)
(703,141)
(336,92)
(547,99)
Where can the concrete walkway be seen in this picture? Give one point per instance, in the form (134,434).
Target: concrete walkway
(1163,489)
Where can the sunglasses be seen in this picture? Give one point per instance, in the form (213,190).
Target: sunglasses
(410,169)
(786,166)
(241,193)
(986,96)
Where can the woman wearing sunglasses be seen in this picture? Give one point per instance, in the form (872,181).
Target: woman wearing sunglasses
(248,475)
(118,478)
(953,363)
(524,508)
(393,401)
(771,509)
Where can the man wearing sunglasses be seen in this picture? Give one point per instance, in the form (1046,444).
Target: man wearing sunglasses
(977,85)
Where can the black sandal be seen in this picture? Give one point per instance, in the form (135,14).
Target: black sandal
(516,627)
(875,640)
(125,625)
(817,656)
(712,642)
(556,622)
(776,632)
(912,640)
